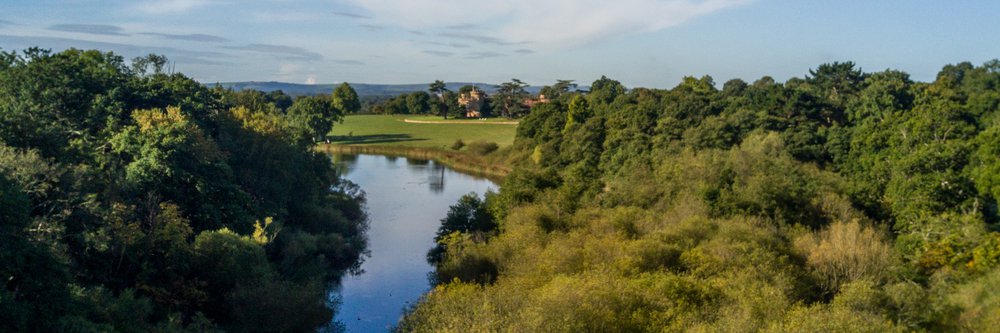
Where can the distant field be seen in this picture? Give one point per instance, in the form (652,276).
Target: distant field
(456,120)
(393,131)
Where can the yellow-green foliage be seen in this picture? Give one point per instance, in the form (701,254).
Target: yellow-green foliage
(987,253)
(264,233)
(846,252)
(726,244)
(623,269)
(979,301)
(482,147)
(840,202)
(593,302)
(757,178)
(824,318)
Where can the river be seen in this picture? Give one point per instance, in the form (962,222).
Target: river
(407,199)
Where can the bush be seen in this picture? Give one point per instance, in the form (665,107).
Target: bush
(483,148)
(821,318)
(979,302)
(458,145)
(847,252)
(459,261)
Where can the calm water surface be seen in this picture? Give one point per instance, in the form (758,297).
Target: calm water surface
(406,201)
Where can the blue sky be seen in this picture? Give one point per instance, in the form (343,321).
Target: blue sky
(650,43)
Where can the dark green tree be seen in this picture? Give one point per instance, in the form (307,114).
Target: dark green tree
(558,89)
(34,295)
(316,114)
(141,65)
(439,104)
(605,90)
(450,104)
(509,99)
(114,172)
(437,88)
(470,216)
(345,99)
(838,83)
(418,102)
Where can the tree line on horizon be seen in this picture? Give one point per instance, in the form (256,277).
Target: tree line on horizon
(508,101)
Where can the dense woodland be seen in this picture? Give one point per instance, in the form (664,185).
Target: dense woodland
(844,201)
(136,201)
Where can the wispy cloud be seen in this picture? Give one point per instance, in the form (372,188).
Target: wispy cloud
(439,53)
(484,55)
(281,51)
(189,37)
(349,62)
(353,15)
(524,51)
(551,23)
(170,6)
(455,45)
(372,27)
(480,38)
(284,17)
(179,56)
(466,26)
(93,29)
(5,22)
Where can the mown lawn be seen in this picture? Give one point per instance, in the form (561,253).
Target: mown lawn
(392,131)
(457,120)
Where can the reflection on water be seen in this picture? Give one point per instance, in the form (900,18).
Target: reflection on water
(417,162)
(434,171)
(407,198)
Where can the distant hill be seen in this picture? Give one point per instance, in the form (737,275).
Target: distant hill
(363,89)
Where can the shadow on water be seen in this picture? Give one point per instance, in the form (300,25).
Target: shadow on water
(376,138)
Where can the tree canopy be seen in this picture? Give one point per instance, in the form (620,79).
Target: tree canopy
(844,201)
(134,200)
(345,99)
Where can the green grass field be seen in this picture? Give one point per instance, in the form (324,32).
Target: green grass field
(456,120)
(393,131)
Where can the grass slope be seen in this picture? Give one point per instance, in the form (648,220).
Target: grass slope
(393,131)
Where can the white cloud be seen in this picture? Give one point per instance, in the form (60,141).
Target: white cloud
(545,23)
(285,16)
(294,72)
(170,6)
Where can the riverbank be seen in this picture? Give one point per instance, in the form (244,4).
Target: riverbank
(465,162)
